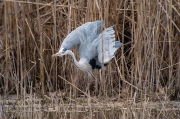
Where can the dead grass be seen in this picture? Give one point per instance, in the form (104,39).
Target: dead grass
(56,106)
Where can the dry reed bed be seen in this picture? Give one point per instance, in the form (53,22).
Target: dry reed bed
(60,105)
(147,66)
(34,108)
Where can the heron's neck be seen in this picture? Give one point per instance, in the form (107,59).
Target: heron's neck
(82,64)
(73,59)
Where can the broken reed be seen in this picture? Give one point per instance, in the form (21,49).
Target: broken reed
(147,66)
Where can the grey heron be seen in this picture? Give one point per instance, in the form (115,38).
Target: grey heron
(95,48)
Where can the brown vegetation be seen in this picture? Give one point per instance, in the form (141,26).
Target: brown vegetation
(147,66)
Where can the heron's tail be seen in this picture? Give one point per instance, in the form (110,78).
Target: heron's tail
(107,46)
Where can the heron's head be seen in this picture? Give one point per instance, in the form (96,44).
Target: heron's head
(62,51)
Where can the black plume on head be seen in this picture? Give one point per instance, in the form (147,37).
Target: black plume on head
(65,49)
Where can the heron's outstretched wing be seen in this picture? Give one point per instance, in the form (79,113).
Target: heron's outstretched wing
(83,34)
(103,47)
(108,47)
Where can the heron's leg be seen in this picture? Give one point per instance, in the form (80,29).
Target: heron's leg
(88,83)
(97,83)
(100,89)
(96,86)
(87,88)
(100,85)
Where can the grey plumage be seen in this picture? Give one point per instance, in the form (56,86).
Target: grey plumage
(92,46)
(85,33)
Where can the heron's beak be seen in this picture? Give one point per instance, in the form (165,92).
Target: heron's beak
(55,55)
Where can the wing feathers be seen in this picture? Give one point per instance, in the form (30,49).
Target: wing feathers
(84,33)
(107,48)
